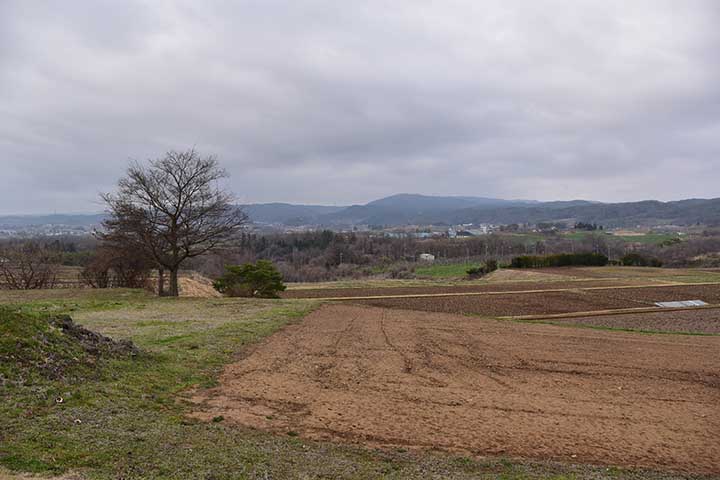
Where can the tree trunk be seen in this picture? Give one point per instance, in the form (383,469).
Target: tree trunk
(174,290)
(161,281)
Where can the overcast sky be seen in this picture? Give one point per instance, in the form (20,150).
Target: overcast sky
(345,102)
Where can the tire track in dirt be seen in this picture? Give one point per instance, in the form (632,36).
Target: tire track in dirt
(407,361)
(474,358)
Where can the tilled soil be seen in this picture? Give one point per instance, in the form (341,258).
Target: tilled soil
(507,304)
(688,321)
(648,296)
(486,287)
(552,302)
(579,272)
(482,387)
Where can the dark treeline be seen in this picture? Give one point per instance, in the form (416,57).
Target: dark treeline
(561,260)
(327,255)
(71,251)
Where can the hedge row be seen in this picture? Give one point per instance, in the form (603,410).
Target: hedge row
(560,260)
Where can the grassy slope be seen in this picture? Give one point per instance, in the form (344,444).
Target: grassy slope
(128,421)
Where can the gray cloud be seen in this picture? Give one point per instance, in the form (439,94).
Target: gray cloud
(327,102)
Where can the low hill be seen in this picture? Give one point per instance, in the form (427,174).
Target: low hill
(421,210)
(406,208)
(413,201)
(286,213)
(645,213)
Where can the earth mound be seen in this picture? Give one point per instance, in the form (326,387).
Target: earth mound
(55,348)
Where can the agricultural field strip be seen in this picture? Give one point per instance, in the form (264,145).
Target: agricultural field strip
(339,285)
(514,292)
(602,313)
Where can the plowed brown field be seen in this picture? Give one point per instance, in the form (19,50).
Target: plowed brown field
(482,387)
(648,296)
(507,304)
(706,321)
(550,302)
(476,288)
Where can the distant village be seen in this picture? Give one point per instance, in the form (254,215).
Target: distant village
(45,230)
(465,230)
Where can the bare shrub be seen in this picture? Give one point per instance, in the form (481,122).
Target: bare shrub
(27,266)
(119,267)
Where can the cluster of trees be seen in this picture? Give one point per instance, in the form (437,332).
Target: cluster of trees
(327,255)
(560,260)
(483,269)
(39,263)
(638,260)
(260,279)
(698,251)
(590,227)
(118,266)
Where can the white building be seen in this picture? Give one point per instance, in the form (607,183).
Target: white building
(427,257)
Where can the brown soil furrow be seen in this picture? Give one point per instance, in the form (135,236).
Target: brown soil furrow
(482,387)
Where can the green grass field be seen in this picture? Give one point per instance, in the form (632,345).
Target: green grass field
(126,417)
(445,270)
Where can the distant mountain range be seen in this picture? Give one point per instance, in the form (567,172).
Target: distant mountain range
(287,213)
(413,209)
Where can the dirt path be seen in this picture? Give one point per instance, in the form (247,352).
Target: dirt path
(482,387)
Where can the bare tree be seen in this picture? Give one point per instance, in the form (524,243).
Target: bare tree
(28,266)
(173,209)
